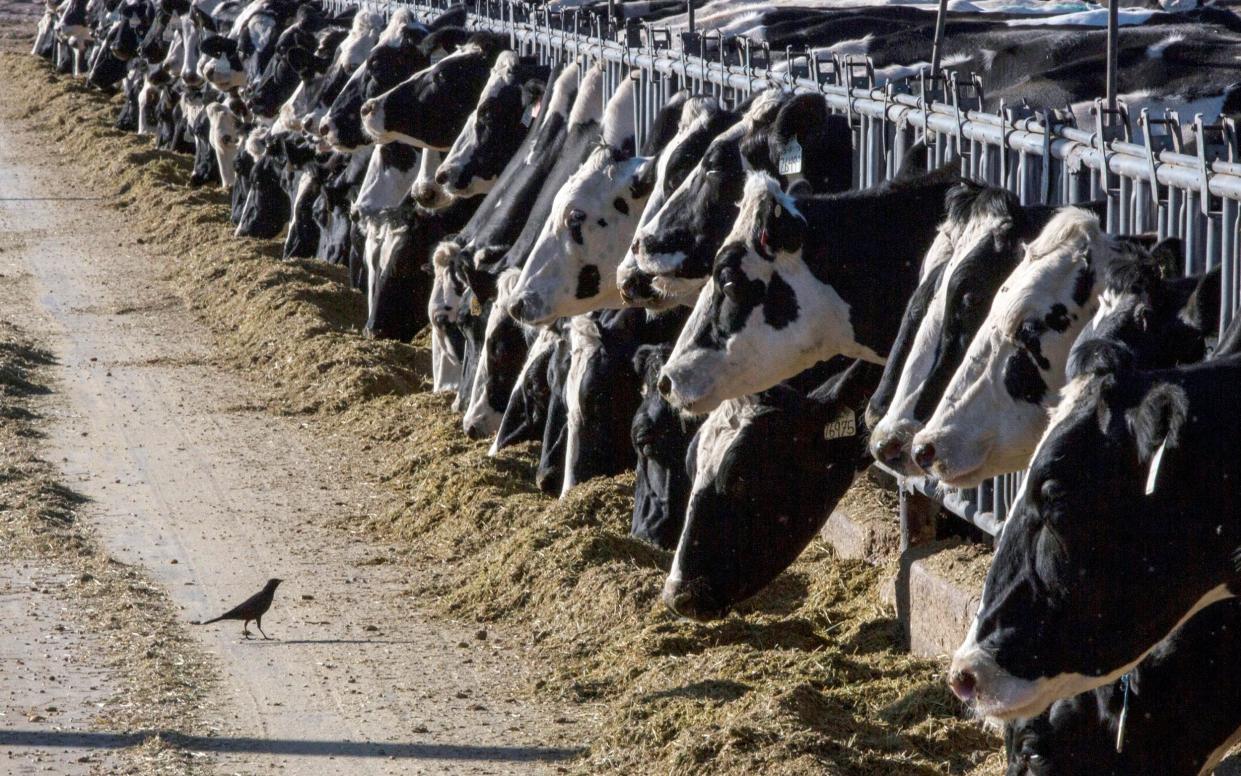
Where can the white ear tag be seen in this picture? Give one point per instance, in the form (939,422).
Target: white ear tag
(843,425)
(1153,474)
(790,160)
(779,211)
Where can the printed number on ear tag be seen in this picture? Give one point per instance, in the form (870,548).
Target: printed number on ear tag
(843,425)
(1153,474)
(790,160)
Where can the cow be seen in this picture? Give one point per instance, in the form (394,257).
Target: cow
(794,284)
(993,410)
(504,349)
(571,267)
(1179,711)
(767,471)
(428,109)
(525,413)
(990,228)
(661,437)
(507,108)
(787,136)
(1160,317)
(1125,527)
(404,47)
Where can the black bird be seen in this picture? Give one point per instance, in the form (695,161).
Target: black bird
(253,608)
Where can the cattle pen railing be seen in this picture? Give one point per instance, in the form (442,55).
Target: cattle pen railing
(1141,168)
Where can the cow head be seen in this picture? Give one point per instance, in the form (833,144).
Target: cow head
(1121,532)
(429,109)
(768,470)
(994,408)
(988,225)
(397,54)
(751,327)
(1161,318)
(504,351)
(220,64)
(507,108)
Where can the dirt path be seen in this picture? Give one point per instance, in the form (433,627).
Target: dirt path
(187,478)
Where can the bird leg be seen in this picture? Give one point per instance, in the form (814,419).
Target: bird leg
(258,623)
(246,631)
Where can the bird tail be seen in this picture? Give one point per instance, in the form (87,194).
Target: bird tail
(208,622)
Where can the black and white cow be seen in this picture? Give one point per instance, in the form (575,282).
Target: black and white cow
(1126,526)
(398,54)
(572,266)
(1179,713)
(661,436)
(428,109)
(504,350)
(1160,317)
(988,228)
(789,136)
(293,64)
(994,408)
(767,471)
(507,108)
(795,283)
(525,414)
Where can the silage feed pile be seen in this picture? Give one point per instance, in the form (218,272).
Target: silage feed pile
(809,678)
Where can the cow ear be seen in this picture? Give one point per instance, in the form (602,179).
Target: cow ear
(532,91)
(1169,256)
(1159,420)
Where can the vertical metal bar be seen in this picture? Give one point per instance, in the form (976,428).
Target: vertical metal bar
(1113,41)
(937,46)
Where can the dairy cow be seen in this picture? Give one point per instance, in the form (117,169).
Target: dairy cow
(993,410)
(794,284)
(767,471)
(1126,527)
(789,136)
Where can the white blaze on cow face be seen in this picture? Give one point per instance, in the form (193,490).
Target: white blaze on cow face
(584,343)
(733,344)
(480,417)
(225,140)
(994,409)
(953,245)
(447,293)
(389,175)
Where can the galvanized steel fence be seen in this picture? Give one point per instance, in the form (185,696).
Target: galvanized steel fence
(1140,166)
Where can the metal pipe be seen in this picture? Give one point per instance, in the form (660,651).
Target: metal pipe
(937,46)
(1113,44)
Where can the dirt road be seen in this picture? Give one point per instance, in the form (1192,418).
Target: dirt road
(187,478)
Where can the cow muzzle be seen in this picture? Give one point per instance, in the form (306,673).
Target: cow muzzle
(693,599)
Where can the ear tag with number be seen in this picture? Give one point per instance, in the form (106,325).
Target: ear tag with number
(843,425)
(790,160)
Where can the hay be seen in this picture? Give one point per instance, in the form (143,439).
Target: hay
(807,678)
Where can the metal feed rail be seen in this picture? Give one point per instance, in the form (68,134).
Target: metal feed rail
(1149,182)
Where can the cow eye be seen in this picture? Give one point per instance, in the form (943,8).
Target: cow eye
(575,217)
(969,300)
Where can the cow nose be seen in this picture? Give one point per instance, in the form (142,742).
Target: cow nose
(890,452)
(693,599)
(442,177)
(440,320)
(665,385)
(924,455)
(963,682)
(474,431)
(368,107)
(637,245)
(635,286)
(192,79)
(517,307)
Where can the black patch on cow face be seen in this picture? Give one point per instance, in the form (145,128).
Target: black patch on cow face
(575,232)
(1058,318)
(1082,285)
(780,305)
(588,282)
(602,222)
(1022,379)
(734,297)
(621,206)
